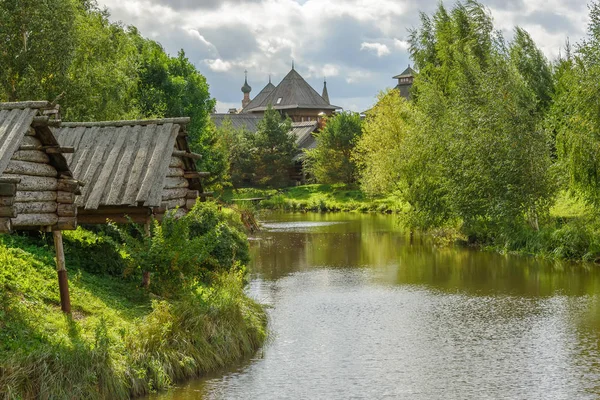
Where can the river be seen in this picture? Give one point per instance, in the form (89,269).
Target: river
(358,312)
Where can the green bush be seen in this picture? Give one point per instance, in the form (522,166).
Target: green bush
(183,252)
(94,252)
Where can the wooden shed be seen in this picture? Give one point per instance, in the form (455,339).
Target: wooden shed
(135,169)
(37,189)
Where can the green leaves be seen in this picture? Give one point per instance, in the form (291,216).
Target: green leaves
(330,161)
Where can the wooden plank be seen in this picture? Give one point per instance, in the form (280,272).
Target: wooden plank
(124,168)
(65,197)
(114,147)
(36,156)
(31,141)
(187,154)
(145,143)
(34,220)
(66,210)
(95,163)
(5,225)
(37,183)
(38,207)
(15,125)
(176,182)
(67,185)
(65,224)
(9,179)
(8,189)
(24,104)
(7,200)
(24,196)
(192,194)
(190,203)
(170,204)
(141,122)
(63,282)
(30,168)
(155,174)
(170,194)
(176,162)
(8,211)
(174,172)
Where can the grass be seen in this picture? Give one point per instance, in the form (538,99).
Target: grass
(318,198)
(119,342)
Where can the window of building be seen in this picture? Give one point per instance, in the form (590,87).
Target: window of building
(279,100)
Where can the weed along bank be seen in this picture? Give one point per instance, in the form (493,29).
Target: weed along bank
(136,169)
(37,189)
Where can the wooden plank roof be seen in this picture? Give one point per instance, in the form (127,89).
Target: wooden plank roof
(124,163)
(16,119)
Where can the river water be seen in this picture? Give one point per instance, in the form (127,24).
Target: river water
(358,312)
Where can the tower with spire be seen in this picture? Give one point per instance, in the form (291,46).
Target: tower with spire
(246,89)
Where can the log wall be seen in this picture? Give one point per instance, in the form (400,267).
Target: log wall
(41,197)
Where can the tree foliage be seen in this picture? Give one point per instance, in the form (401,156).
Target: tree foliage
(330,161)
(574,117)
(274,148)
(470,148)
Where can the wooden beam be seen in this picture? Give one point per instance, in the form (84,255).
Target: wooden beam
(116,218)
(44,120)
(24,104)
(63,281)
(8,189)
(178,121)
(5,225)
(187,154)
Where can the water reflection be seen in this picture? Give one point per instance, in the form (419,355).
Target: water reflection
(360,312)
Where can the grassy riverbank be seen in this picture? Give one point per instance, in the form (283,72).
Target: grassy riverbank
(316,198)
(121,341)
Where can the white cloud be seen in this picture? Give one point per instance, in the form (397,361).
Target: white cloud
(195,34)
(218,65)
(401,44)
(380,48)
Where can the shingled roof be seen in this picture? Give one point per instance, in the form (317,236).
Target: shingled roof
(128,163)
(292,92)
(261,96)
(408,72)
(238,121)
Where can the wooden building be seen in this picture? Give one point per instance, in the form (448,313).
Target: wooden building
(37,189)
(293,97)
(134,169)
(405,82)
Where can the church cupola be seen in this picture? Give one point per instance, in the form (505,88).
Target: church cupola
(246,89)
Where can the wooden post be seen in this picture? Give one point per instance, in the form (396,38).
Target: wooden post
(146,274)
(63,282)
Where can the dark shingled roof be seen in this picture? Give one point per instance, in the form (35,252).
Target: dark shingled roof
(261,96)
(248,121)
(303,131)
(408,72)
(292,92)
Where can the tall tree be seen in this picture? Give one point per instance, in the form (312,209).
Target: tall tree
(575,117)
(274,150)
(330,161)
(37,43)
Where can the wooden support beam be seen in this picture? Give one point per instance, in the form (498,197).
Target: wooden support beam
(8,189)
(181,153)
(63,281)
(44,120)
(5,225)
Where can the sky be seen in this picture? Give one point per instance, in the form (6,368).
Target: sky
(356,45)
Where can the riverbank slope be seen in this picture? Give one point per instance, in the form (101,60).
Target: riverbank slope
(120,341)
